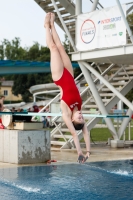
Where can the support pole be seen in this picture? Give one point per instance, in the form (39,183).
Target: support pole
(125,21)
(78,11)
(78,7)
(34,98)
(125,123)
(129,131)
(94,6)
(124,136)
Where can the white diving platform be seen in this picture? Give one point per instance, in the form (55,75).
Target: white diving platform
(117,55)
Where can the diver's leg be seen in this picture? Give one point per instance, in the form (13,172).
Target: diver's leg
(57,65)
(65,59)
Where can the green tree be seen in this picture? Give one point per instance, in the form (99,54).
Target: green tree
(12,50)
(67,46)
(2,51)
(130,21)
(38,53)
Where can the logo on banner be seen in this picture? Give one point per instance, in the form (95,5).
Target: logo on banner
(88,31)
(110,20)
(110,26)
(120,33)
(115,34)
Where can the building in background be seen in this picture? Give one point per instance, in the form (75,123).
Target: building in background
(6,90)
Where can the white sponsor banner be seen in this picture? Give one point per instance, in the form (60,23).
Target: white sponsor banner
(98,29)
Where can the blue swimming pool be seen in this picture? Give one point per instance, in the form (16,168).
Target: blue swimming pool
(91,181)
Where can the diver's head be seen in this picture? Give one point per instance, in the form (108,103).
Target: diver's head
(78,120)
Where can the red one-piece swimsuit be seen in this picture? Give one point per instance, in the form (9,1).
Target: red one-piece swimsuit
(70,94)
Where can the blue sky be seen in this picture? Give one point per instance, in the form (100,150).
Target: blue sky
(25,19)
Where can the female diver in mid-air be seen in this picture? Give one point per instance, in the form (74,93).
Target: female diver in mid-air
(62,74)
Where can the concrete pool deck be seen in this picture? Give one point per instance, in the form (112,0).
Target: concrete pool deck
(98,153)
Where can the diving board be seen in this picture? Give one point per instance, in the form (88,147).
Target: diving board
(60,114)
(117,55)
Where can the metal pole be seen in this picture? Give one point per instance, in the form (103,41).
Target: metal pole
(125,123)
(78,11)
(78,4)
(125,21)
(124,136)
(34,98)
(117,124)
(98,4)
(94,6)
(129,132)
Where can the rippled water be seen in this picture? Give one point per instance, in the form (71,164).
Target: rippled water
(92,181)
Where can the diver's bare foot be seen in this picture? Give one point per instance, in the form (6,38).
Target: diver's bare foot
(47,20)
(52,19)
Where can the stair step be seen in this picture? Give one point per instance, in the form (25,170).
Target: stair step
(124,73)
(61,136)
(103,100)
(66,18)
(65,130)
(127,68)
(89,112)
(122,78)
(58,143)
(118,83)
(102,125)
(51,8)
(45,2)
(91,106)
(107,89)
(106,94)
(71,29)
(70,23)
(115,69)
(63,12)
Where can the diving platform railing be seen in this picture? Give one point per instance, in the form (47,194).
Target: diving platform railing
(116,55)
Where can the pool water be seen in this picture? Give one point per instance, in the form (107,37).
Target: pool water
(112,180)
